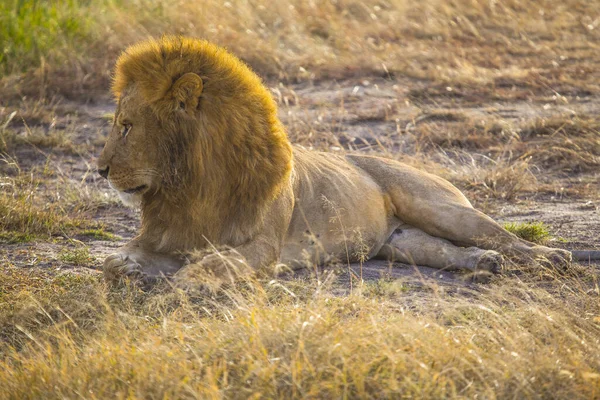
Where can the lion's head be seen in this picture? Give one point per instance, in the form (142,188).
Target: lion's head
(131,159)
(196,142)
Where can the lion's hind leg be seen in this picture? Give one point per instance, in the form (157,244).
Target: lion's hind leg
(413,246)
(439,209)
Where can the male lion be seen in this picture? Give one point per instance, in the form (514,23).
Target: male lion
(197,145)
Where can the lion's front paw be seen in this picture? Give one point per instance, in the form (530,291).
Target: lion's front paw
(119,266)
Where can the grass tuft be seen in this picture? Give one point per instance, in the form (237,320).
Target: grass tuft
(77,256)
(29,209)
(99,234)
(20,212)
(15,237)
(536,232)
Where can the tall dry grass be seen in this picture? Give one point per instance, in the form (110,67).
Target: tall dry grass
(534,336)
(495,44)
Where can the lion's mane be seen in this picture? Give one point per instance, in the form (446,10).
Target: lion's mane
(223,164)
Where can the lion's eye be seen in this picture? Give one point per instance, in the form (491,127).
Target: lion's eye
(125,130)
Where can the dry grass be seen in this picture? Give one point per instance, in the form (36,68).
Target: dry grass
(505,159)
(43,202)
(22,211)
(68,336)
(566,143)
(35,123)
(492,45)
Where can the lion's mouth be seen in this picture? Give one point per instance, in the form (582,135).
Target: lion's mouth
(136,189)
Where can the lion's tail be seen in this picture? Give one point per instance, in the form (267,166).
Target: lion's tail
(586,255)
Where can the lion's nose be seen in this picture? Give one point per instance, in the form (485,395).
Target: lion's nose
(103,172)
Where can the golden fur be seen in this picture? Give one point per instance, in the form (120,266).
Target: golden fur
(198,146)
(228,151)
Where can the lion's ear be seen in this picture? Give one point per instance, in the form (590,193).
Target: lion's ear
(186,92)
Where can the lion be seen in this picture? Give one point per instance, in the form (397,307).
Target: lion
(196,144)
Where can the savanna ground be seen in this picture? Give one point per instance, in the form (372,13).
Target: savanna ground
(500,97)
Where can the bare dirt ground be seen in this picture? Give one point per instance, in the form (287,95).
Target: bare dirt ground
(410,120)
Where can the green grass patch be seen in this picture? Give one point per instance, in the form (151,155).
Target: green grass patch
(34,30)
(76,256)
(100,234)
(15,237)
(536,232)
